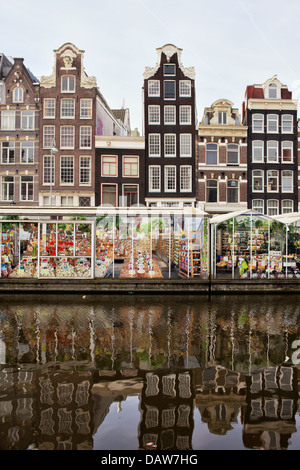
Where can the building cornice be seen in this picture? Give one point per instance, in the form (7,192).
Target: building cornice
(274,104)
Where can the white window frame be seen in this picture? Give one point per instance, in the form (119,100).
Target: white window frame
(111,162)
(287,208)
(154,145)
(67,108)
(85,170)
(234,149)
(185,145)
(67,200)
(271,88)
(8,182)
(185,115)
(154,114)
(258,144)
(185,88)
(18,95)
(170,145)
(257,123)
(272,147)
(85,137)
(154,188)
(67,133)
(169,115)
(47,170)
(132,161)
(291,147)
(8,148)
(272,210)
(26,181)
(287,121)
(209,151)
(49,108)
(68,79)
(274,175)
(184,178)
(288,176)
(48,136)
(259,205)
(272,123)
(67,166)
(28,148)
(153,88)
(233,188)
(222,117)
(103,185)
(27,120)
(86,108)
(259,174)
(8,120)
(207,182)
(172,98)
(170,178)
(172,74)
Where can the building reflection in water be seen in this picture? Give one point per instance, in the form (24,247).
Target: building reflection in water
(64,365)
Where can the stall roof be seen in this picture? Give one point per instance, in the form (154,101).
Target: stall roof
(288,219)
(218,219)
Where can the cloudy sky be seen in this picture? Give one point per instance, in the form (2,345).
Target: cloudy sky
(230,43)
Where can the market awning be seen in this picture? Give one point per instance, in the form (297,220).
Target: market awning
(218,219)
(288,219)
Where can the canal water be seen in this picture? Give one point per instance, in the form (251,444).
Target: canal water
(150,373)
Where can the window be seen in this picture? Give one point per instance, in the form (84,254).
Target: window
(185,178)
(286,123)
(169,69)
(154,178)
(211,191)
(130,194)
(232,154)
(18,95)
(48,136)
(185,145)
(109,194)
(154,145)
(7,152)
(85,137)
(109,165)
(185,114)
(169,90)
(66,201)
(272,123)
(49,108)
(272,207)
(272,90)
(47,167)
(257,122)
(185,88)
(26,188)
(27,120)
(67,137)
(170,145)
(287,206)
(67,109)
(272,151)
(287,181)
(8,120)
(7,188)
(84,201)
(222,118)
(68,83)
(257,151)
(170,178)
(287,152)
(27,152)
(232,191)
(154,114)
(130,166)
(85,170)
(170,114)
(153,88)
(257,180)
(258,205)
(86,108)
(211,154)
(272,180)
(66,169)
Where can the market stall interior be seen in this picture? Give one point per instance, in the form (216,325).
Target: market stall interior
(249,245)
(115,244)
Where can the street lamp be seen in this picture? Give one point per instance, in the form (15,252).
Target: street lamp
(53,150)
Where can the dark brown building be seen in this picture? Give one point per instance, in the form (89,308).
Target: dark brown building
(169,125)
(19,133)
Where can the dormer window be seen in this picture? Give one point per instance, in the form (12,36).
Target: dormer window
(18,95)
(222,118)
(272,91)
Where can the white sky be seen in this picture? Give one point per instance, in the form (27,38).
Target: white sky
(230,43)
